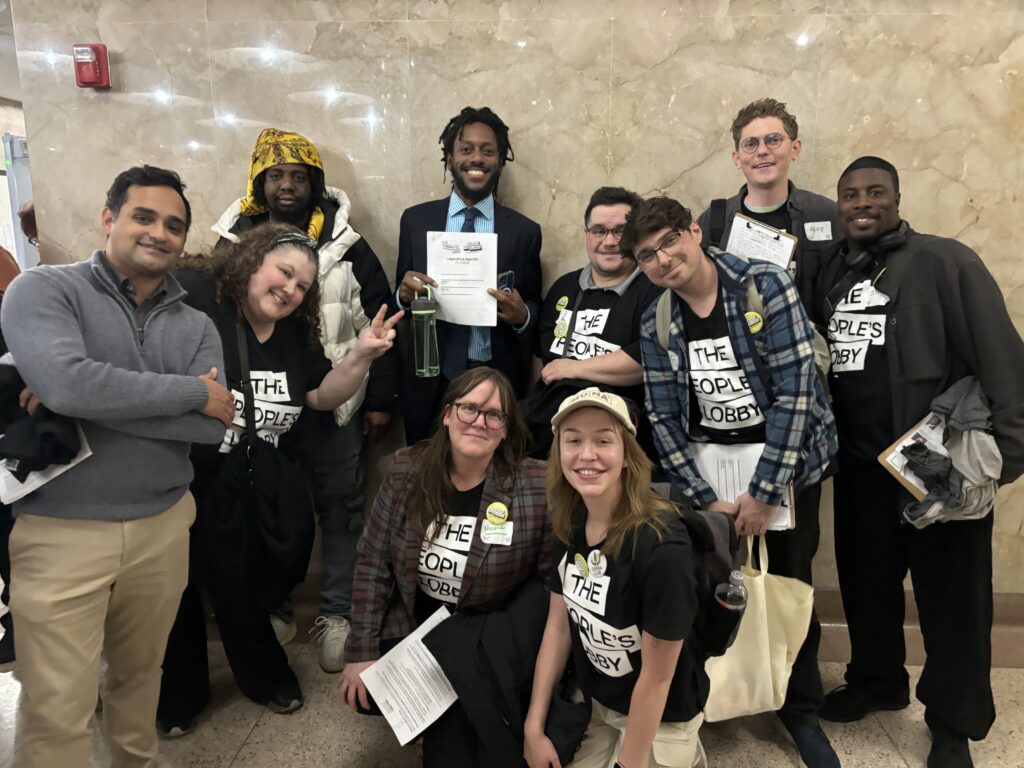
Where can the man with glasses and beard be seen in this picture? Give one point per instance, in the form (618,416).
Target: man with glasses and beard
(590,323)
(475,147)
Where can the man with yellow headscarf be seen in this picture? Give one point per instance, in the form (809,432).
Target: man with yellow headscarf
(286,184)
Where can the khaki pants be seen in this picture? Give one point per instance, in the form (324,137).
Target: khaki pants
(79,586)
(676,745)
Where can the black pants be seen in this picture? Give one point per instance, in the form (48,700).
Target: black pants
(257,660)
(6,525)
(450,742)
(790,554)
(950,566)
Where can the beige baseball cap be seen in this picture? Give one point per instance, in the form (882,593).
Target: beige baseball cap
(592,397)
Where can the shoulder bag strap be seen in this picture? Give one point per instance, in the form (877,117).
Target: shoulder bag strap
(250,400)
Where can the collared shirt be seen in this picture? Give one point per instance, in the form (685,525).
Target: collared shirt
(479,337)
(479,346)
(140,309)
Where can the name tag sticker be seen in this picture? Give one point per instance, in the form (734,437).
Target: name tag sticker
(818,230)
(496,534)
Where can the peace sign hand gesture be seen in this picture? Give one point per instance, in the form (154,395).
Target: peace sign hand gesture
(379,336)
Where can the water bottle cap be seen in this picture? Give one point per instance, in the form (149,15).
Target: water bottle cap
(736,577)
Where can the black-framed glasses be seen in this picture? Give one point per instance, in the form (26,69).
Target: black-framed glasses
(599,232)
(773,141)
(646,257)
(468,413)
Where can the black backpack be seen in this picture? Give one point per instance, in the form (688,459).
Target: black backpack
(717,546)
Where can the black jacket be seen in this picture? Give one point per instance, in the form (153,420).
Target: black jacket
(804,207)
(948,320)
(489,657)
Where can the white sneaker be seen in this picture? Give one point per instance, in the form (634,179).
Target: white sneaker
(285,631)
(332,633)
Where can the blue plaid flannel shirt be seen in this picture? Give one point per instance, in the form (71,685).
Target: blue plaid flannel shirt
(800,430)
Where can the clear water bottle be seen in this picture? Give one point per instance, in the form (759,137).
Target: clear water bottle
(732,595)
(424,333)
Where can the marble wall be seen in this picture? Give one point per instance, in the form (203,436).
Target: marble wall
(595,92)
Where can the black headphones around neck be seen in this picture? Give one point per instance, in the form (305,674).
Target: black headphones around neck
(864,261)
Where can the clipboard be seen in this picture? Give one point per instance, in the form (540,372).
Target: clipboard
(751,239)
(928,431)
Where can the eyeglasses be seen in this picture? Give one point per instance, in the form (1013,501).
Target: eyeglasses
(600,233)
(772,141)
(468,414)
(646,257)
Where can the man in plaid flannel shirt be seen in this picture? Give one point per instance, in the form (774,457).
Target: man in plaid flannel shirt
(729,375)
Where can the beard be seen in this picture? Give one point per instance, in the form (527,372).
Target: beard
(472,194)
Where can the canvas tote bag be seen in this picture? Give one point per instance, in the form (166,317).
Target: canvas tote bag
(752,676)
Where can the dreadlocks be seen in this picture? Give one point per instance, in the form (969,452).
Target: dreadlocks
(473,115)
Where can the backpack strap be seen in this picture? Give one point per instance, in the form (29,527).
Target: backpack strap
(663,317)
(717,218)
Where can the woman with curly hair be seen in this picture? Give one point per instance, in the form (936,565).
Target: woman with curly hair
(263,288)
(623,599)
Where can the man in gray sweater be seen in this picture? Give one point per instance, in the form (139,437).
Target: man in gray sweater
(99,555)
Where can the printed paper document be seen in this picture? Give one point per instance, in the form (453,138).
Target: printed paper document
(408,684)
(728,470)
(465,265)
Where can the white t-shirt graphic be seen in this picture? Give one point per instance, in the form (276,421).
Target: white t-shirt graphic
(854,327)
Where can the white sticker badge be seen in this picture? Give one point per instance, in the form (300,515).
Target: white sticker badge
(818,230)
(496,534)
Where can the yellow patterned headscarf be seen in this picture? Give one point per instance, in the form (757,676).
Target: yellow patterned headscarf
(275,147)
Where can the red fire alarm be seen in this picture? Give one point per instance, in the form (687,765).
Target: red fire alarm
(92,68)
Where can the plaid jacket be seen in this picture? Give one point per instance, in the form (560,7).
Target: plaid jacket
(800,430)
(387,557)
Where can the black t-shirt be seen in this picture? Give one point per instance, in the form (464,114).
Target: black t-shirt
(605,322)
(779,218)
(611,602)
(859,378)
(722,405)
(442,562)
(283,369)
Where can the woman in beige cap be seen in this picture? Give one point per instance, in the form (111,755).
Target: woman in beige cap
(624,598)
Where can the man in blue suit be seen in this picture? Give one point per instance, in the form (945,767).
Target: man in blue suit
(475,147)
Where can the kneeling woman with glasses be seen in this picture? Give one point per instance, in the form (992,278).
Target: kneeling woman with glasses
(623,599)
(424,543)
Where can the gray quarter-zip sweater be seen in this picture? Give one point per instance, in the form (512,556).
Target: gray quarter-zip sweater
(135,391)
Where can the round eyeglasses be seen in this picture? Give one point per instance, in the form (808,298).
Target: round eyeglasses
(468,413)
(773,141)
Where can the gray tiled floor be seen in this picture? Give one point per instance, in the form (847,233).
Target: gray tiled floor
(235,732)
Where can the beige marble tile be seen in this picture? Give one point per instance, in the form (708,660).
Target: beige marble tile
(81,138)
(938,101)
(678,83)
(1001,749)
(305,10)
(548,82)
(604,9)
(323,732)
(67,12)
(342,85)
(888,7)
